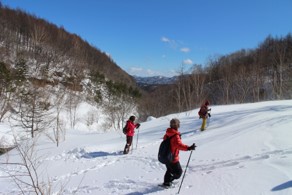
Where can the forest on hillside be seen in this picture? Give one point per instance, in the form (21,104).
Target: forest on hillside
(248,75)
(45,70)
(25,36)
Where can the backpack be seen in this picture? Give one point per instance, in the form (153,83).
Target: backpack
(165,155)
(202,111)
(125,129)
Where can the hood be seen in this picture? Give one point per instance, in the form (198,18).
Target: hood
(171,132)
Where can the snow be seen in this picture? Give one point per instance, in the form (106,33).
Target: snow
(246,149)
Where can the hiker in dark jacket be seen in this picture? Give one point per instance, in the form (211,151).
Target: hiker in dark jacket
(203,113)
(174,170)
(130,133)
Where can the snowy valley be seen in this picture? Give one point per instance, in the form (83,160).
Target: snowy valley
(246,149)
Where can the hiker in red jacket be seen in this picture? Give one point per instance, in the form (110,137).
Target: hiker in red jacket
(130,126)
(174,170)
(203,113)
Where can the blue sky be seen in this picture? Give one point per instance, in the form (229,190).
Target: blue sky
(159,37)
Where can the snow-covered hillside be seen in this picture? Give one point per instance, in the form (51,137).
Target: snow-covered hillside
(246,149)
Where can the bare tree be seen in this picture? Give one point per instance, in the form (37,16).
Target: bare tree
(72,102)
(120,101)
(38,34)
(117,110)
(6,89)
(177,94)
(181,90)
(198,79)
(280,66)
(24,173)
(58,126)
(33,110)
(258,75)
(242,85)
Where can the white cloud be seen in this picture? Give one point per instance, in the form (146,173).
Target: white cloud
(164,39)
(185,49)
(137,71)
(188,62)
(172,43)
(150,72)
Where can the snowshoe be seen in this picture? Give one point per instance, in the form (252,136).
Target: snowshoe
(166,185)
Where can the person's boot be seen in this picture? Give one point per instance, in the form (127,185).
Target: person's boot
(126,150)
(166,184)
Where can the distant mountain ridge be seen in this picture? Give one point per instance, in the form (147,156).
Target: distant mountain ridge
(155,80)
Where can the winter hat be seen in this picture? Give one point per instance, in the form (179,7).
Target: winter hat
(174,123)
(132,118)
(207,103)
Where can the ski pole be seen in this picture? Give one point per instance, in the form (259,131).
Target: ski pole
(137,139)
(209,116)
(136,142)
(185,172)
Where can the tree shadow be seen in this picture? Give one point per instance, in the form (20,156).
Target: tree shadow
(100,154)
(283,186)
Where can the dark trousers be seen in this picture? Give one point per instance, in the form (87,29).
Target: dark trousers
(174,171)
(128,144)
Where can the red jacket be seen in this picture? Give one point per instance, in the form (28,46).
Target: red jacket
(131,128)
(175,143)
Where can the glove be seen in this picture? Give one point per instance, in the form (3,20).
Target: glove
(192,147)
(138,125)
(209,114)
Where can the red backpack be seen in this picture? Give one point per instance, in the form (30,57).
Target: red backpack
(202,111)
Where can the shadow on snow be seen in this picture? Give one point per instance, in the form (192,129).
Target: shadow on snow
(147,191)
(100,154)
(283,186)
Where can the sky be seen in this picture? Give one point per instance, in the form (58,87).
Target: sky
(245,149)
(163,37)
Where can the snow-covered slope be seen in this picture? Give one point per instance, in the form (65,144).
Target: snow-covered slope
(246,149)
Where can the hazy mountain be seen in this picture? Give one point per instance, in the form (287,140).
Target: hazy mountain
(155,80)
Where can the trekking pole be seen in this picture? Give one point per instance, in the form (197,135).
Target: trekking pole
(136,142)
(137,139)
(185,172)
(209,116)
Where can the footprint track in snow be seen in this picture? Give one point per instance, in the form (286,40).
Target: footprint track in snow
(208,168)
